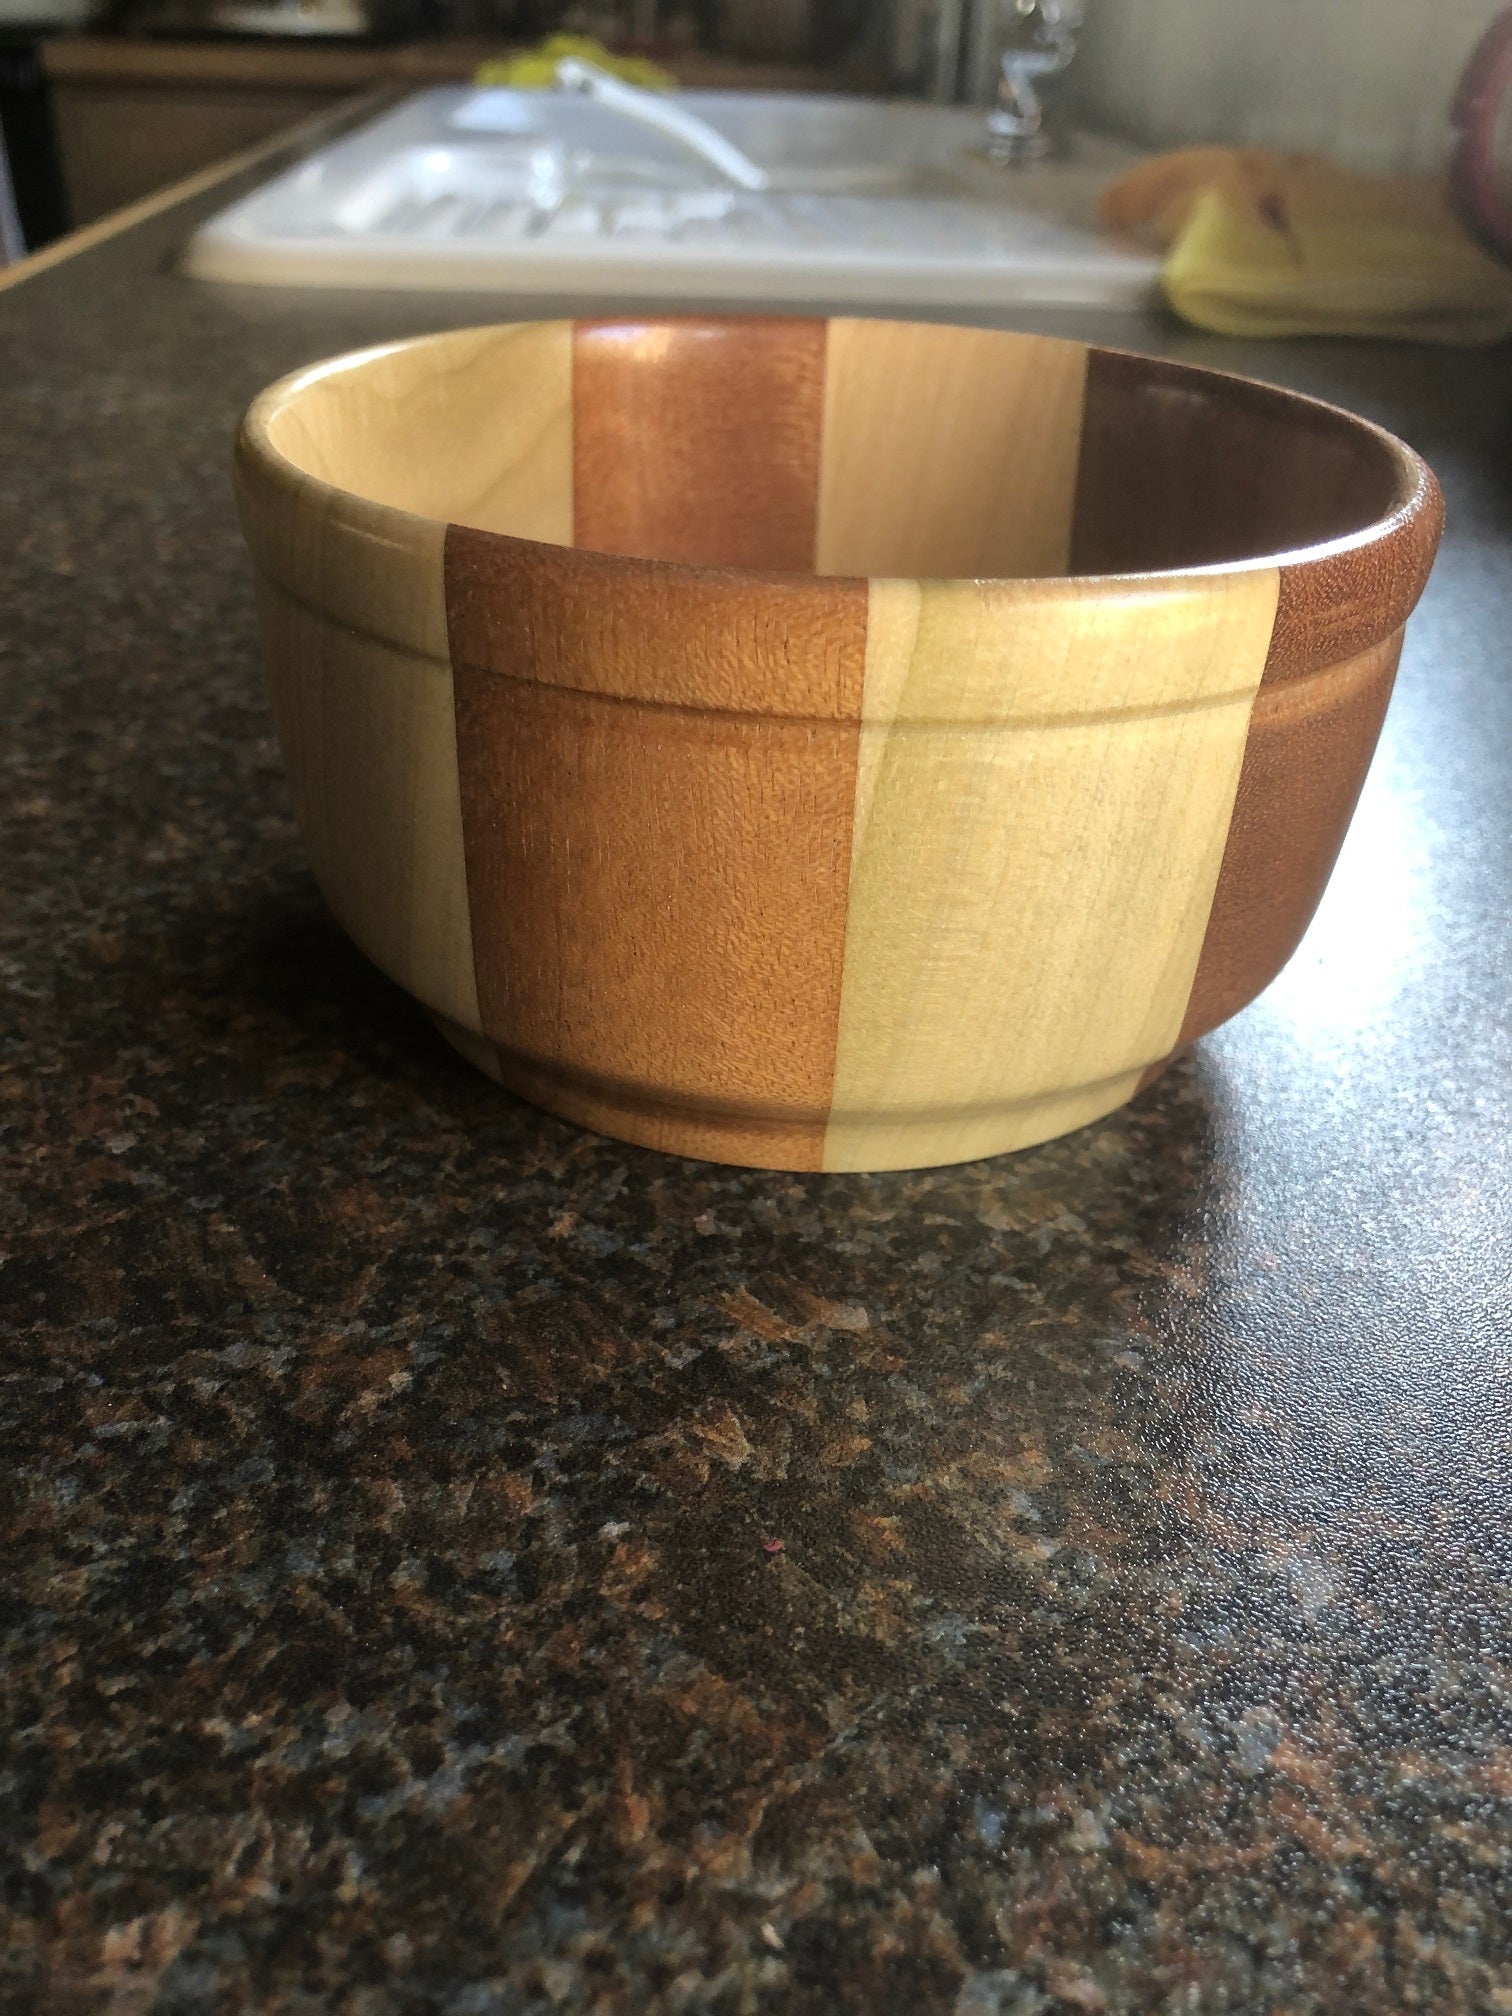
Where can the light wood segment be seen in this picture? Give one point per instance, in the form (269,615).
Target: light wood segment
(368,738)
(947,451)
(351,596)
(1043,795)
(925,1140)
(373,568)
(474,427)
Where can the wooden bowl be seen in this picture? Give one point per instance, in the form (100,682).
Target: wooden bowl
(823,745)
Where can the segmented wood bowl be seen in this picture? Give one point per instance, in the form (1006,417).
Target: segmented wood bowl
(823,744)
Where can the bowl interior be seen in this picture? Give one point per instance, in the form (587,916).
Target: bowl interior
(849,447)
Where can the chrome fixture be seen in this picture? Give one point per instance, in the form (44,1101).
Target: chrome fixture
(996,53)
(1041,45)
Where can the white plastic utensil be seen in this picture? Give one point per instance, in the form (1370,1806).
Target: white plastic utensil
(664,116)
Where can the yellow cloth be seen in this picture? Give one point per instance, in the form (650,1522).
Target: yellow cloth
(1262,244)
(535,69)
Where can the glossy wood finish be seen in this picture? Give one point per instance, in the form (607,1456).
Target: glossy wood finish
(1045,786)
(947,452)
(1180,468)
(824,745)
(682,451)
(658,867)
(1309,745)
(359,670)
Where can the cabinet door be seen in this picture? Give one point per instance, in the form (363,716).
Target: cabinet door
(121,141)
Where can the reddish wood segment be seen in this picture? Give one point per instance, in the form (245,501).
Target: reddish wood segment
(1337,605)
(658,890)
(699,441)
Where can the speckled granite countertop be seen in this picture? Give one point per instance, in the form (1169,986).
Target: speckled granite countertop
(459,1564)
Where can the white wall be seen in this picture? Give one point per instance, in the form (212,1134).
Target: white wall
(1367,80)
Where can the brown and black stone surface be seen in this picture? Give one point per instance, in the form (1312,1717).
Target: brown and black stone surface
(454,1563)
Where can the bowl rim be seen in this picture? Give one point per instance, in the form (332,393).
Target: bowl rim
(1417,489)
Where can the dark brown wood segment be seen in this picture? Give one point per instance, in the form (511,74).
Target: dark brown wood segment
(1310,745)
(658,890)
(699,441)
(1182,468)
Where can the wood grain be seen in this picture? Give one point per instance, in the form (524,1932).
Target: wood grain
(699,441)
(660,637)
(354,635)
(1309,747)
(475,427)
(1043,797)
(1183,468)
(368,742)
(947,451)
(658,889)
(1335,605)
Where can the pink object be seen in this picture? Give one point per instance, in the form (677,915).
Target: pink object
(1473,181)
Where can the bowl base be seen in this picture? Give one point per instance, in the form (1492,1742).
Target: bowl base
(749,1141)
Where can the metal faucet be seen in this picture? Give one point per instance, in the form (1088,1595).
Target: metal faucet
(1042,46)
(996,53)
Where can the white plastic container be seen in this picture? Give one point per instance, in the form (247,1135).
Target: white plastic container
(870,202)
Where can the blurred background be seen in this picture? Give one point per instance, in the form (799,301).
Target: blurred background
(103,101)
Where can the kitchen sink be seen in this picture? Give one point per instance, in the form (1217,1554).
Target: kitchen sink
(538,193)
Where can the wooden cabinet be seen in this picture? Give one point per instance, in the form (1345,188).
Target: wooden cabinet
(133,117)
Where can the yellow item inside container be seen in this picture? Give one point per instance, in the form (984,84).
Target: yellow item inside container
(1263,244)
(535,69)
